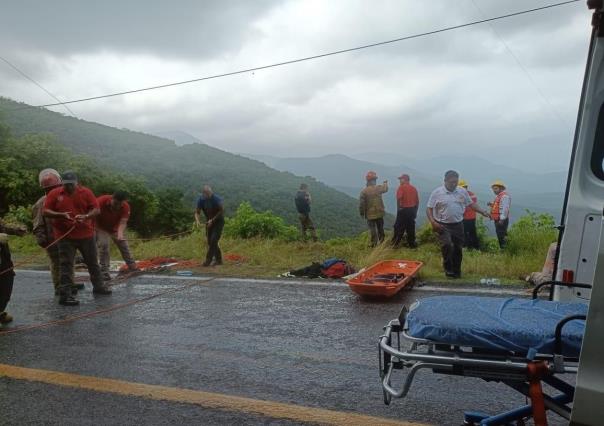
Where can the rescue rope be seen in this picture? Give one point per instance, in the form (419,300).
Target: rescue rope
(161,237)
(105,310)
(28,259)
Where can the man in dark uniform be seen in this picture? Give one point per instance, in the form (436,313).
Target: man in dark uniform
(213,209)
(303,201)
(7,275)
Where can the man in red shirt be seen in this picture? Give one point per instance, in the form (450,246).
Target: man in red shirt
(469,220)
(73,208)
(407,202)
(111,224)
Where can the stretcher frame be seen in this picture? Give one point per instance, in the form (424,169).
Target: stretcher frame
(514,370)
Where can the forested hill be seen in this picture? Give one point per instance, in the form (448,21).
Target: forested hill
(163,164)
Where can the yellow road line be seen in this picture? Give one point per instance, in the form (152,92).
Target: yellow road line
(276,410)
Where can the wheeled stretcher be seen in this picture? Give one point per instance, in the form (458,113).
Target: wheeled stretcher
(519,342)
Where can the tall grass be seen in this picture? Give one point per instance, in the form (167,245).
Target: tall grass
(528,242)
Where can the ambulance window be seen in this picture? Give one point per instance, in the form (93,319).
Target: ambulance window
(597,156)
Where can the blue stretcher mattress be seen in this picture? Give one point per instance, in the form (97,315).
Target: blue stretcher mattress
(510,324)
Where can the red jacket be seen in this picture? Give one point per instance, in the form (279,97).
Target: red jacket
(406,196)
(80,202)
(470,214)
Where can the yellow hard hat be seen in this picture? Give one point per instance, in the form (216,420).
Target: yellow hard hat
(498,183)
(462,183)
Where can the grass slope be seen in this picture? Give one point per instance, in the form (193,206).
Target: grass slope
(164,164)
(267,258)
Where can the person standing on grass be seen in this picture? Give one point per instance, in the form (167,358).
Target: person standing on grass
(111,224)
(407,203)
(500,211)
(7,274)
(73,208)
(303,201)
(213,209)
(469,221)
(446,207)
(371,207)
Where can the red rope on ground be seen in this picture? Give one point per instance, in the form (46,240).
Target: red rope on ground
(103,311)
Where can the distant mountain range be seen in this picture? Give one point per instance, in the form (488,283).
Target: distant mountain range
(533,191)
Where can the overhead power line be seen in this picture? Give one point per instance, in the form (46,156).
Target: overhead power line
(523,68)
(37,84)
(309,58)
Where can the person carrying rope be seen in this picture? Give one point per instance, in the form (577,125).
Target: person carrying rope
(213,209)
(7,274)
(49,179)
(111,224)
(73,208)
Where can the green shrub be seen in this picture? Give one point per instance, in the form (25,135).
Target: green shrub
(248,223)
(487,242)
(426,235)
(19,216)
(532,233)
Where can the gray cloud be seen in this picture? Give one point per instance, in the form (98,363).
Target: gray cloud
(460,90)
(185,28)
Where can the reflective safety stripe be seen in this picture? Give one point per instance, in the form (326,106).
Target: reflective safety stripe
(496,207)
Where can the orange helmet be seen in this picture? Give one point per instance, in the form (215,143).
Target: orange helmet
(371,175)
(49,178)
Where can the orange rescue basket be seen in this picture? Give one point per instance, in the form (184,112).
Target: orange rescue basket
(386,278)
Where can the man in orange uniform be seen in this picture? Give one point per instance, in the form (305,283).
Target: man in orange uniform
(111,224)
(500,211)
(469,220)
(407,202)
(73,208)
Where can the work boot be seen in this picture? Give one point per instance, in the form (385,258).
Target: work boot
(5,318)
(133,268)
(206,263)
(75,288)
(68,300)
(218,262)
(102,290)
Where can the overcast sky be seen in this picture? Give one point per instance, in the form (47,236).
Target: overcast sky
(457,92)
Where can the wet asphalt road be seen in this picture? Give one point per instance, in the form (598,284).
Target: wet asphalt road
(301,344)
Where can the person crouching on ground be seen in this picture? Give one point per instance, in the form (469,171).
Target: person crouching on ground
(7,274)
(111,224)
(73,208)
(446,207)
(371,207)
(213,209)
(303,201)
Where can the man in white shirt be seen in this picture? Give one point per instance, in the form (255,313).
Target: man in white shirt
(446,207)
